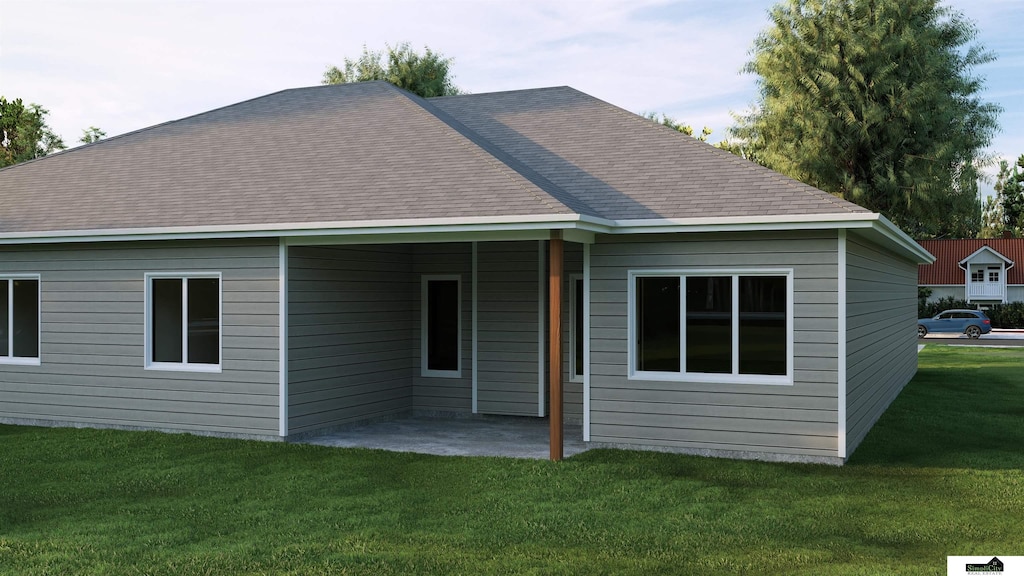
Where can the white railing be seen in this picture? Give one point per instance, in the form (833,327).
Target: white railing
(986,291)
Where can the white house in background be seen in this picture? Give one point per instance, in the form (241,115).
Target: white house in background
(981,271)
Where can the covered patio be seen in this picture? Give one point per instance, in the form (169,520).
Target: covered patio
(439,343)
(500,436)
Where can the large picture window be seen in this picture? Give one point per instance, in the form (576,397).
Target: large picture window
(711,326)
(19,320)
(442,326)
(183,322)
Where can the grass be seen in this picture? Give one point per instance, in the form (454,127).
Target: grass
(941,474)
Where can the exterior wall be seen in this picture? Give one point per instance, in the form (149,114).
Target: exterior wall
(791,421)
(350,334)
(438,394)
(939,292)
(507,307)
(1015,293)
(92,339)
(355,332)
(881,333)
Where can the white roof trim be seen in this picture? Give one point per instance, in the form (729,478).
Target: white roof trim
(983,249)
(484,224)
(767,219)
(848,221)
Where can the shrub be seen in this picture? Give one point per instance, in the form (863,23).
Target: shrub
(928,309)
(1007,315)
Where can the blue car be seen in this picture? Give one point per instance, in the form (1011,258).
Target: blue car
(974,323)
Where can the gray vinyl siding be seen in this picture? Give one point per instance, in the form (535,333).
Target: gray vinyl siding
(798,419)
(443,394)
(507,339)
(881,341)
(350,334)
(93,331)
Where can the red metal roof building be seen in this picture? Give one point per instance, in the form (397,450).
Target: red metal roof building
(946,269)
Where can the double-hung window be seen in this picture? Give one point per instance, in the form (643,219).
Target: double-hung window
(441,321)
(19,319)
(183,321)
(712,326)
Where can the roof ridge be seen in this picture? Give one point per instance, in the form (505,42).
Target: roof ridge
(496,92)
(494,155)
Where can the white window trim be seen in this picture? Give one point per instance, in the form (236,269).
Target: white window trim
(7,356)
(574,309)
(682,375)
(184,365)
(424,371)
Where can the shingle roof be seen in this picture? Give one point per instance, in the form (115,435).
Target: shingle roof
(949,253)
(623,166)
(370,151)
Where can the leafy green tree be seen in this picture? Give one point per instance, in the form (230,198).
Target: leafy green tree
(1004,212)
(24,134)
(91,134)
(875,101)
(427,74)
(991,219)
(666,120)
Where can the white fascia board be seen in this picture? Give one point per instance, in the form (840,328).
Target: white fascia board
(472,224)
(578,228)
(893,233)
(847,221)
(747,220)
(745,224)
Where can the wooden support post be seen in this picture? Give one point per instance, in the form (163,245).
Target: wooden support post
(555,342)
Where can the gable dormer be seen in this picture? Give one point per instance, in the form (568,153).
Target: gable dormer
(985,275)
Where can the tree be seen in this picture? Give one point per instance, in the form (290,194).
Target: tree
(428,74)
(666,120)
(875,101)
(91,134)
(24,134)
(1004,212)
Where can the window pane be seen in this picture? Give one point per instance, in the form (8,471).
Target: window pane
(442,325)
(5,342)
(26,318)
(657,324)
(204,321)
(578,327)
(167,317)
(763,325)
(709,324)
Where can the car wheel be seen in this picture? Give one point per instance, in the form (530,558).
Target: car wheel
(921,331)
(973,332)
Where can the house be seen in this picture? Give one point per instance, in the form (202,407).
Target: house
(328,255)
(980,271)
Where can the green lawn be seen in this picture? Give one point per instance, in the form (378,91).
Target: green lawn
(941,474)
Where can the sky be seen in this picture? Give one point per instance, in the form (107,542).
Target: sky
(128,64)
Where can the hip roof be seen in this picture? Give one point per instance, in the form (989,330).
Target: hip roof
(372,152)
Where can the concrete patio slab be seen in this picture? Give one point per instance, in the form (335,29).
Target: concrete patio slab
(503,436)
